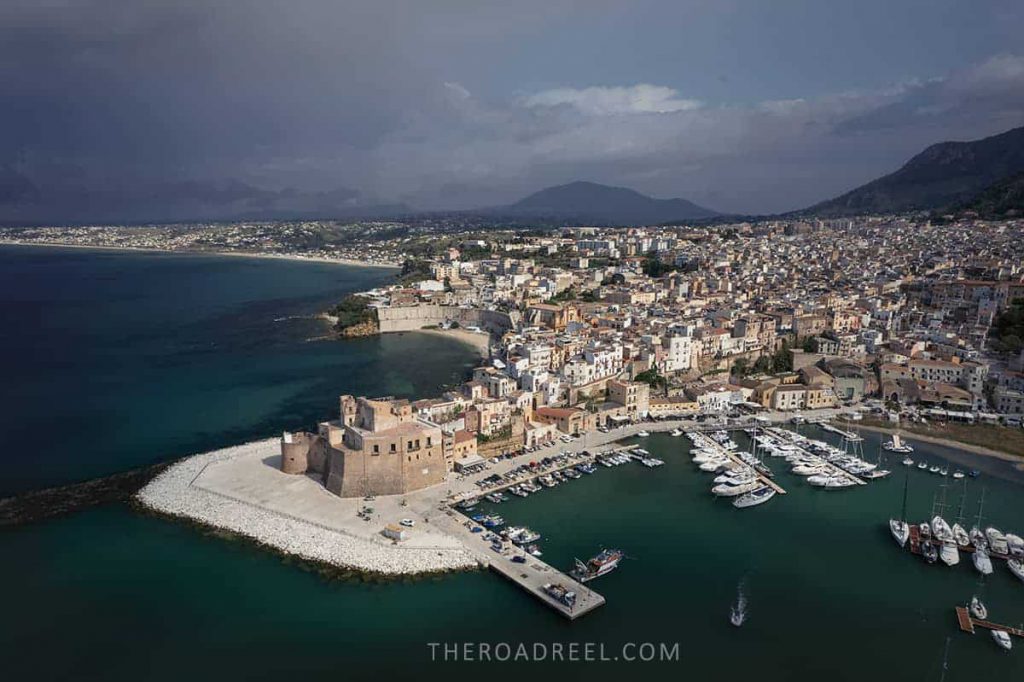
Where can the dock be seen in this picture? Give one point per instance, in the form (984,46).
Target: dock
(968,623)
(532,576)
(834,469)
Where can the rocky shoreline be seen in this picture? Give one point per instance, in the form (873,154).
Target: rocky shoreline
(173,493)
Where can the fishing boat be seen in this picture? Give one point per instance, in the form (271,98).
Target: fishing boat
(533,550)
(934,469)
(958,474)
(896,444)
(738,612)
(754,498)
(899,528)
(978,609)
(606,561)
(922,465)
(908,462)
(1002,638)
(560,593)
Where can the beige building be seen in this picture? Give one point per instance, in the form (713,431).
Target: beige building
(377,447)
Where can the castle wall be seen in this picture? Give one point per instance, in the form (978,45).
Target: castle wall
(295,453)
(411,318)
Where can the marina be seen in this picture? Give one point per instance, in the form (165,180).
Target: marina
(968,623)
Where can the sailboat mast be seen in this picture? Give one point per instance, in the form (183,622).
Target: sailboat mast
(906,480)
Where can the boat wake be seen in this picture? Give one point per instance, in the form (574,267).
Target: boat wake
(738,612)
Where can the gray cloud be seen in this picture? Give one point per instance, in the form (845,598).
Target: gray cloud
(442,105)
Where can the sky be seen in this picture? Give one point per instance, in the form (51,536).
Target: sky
(743,106)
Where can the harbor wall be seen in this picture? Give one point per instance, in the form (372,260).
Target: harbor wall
(411,318)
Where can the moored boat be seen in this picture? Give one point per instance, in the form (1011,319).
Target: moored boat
(978,609)
(606,561)
(1002,638)
(754,497)
(982,562)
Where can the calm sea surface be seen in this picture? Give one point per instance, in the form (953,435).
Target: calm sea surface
(116,360)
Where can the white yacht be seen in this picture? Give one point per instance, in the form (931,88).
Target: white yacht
(900,530)
(949,553)
(982,562)
(1016,567)
(978,609)
(961,536)
(1002,638)
(997,541)
(643,434)
(727,490)
(941,529)
(908,462)
(675,433)
(754,497)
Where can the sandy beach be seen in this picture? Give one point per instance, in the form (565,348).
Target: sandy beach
(480,342)
(350,262)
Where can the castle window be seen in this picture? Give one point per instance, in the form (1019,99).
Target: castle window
(393,447)
(376,449)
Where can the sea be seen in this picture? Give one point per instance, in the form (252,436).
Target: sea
(114,360)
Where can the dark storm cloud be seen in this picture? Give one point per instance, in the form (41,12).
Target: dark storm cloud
(186,105)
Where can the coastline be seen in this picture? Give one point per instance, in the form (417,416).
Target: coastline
(177,492)
(1016,460)
(349,262)
(480,342)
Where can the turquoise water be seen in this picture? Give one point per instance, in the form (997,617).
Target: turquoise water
(112,595)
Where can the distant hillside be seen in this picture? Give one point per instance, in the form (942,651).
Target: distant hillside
(1003,199)
(601,204)
(942,175)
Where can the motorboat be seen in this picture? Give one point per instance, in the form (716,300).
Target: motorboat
(754,497)
(1015,544)
(978,609)
(1016,567)
(958,474)
(997,541)
(934,469)
(643,434)
(931,554)
(982,562)
(1002,638)
(896,444)
(675,433)
(922,465)
(727,490)
(949,553)
(926,530)
(908,462)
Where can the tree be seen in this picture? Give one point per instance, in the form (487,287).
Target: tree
(741,367)
(651,378)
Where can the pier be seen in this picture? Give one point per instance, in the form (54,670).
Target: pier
(968,623)
(793,440)
(532,576)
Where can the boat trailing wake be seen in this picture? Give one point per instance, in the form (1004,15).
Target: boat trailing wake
(738,612)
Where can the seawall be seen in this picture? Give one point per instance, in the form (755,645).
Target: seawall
(414,317)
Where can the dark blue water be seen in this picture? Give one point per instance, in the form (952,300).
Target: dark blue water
(109,594)
(113,360)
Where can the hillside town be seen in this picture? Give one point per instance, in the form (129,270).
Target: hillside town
(594,328)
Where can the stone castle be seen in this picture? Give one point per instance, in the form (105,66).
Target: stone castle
(377,447)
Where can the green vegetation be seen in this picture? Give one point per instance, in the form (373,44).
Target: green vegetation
(652,378)
(999,438)
(415,269)
(1007,330)
(653,267)
(351,311)
(779,361)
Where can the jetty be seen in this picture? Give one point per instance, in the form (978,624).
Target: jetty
(968,623)
(532,575)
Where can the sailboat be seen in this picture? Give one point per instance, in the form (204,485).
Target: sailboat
(948,550)
(738,612)
(899,528)
(896,444)
(960,534)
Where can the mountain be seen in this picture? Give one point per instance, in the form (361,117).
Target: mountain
(22,202)
(594,203)
(942,175)
(1002,200)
